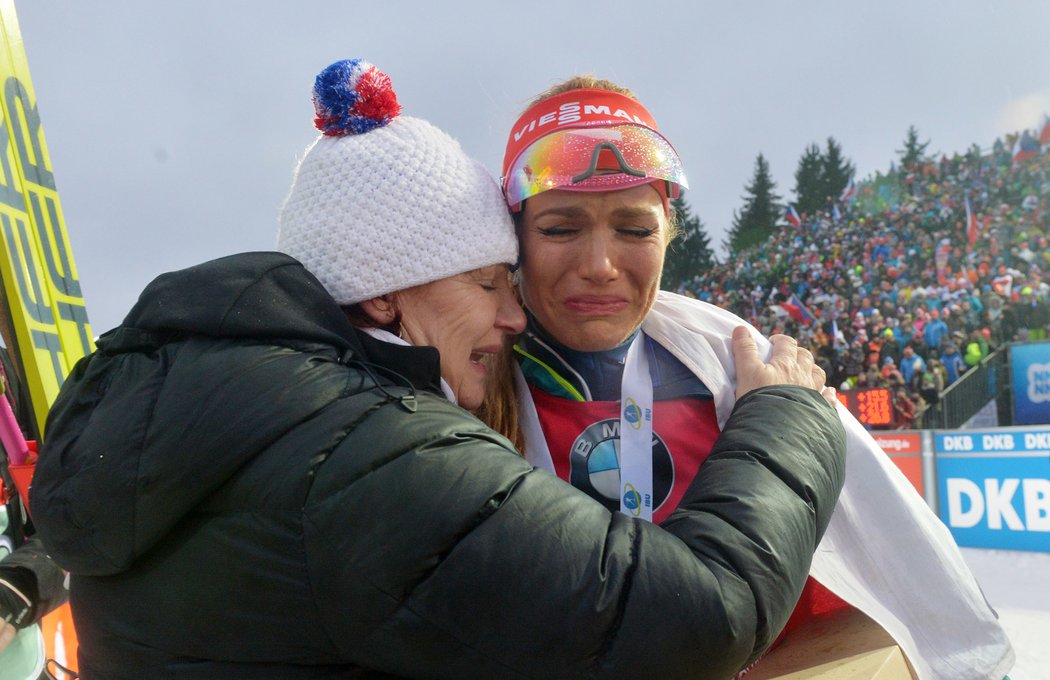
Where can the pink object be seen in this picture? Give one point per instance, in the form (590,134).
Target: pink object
(11,435)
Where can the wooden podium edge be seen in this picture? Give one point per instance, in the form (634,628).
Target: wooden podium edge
(846,646)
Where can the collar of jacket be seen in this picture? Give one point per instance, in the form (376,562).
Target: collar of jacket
(262,295)
(586,376)
(569,373)
(419,366)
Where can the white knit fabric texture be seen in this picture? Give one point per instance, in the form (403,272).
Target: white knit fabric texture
(392,208)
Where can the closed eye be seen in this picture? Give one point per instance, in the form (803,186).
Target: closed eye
(638,232)
(556,231)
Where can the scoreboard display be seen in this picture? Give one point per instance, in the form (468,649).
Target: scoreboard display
(872,407)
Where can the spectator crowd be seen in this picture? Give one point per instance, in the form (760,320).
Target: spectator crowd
(910,282)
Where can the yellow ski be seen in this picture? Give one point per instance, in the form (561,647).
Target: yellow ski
(40,284)
(42,313)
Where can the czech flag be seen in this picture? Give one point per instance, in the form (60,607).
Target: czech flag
(1026,147)
(971,223)
(837,336)
(792,217)
(797,311)
(849,192)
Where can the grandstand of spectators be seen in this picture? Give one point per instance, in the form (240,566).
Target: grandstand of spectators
(898,286)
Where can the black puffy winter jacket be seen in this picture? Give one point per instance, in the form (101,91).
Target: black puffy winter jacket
(242,487)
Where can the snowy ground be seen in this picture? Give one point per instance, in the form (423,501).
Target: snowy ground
(1018,586)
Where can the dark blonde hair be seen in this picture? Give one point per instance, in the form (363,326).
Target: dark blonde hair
(581,82)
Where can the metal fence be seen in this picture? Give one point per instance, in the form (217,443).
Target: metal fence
(971,392)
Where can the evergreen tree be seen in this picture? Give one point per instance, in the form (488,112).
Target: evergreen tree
(836,172)
(762,209)
(809,181)
(690,252)
(973,154)
(913,151)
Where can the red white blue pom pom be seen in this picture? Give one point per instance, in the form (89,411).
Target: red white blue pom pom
(351,97)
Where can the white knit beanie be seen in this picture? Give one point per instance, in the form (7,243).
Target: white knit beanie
(380,203)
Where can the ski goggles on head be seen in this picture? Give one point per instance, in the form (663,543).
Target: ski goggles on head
(593,159)
(588,140)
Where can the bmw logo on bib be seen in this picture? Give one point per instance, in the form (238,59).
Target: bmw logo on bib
(594,466)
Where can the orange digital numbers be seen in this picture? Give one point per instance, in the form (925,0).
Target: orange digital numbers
(872,407)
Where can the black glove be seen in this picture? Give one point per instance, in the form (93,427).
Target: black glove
(18,596)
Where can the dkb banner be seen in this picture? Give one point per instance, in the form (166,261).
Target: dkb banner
(1031,379)
(994,486)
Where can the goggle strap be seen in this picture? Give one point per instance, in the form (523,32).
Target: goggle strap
(624,165)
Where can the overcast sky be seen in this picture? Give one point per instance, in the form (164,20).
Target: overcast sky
(174,127)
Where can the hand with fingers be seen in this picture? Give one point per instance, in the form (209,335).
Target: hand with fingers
(788,364)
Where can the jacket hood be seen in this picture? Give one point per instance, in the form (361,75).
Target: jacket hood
(213,365)
(250,295)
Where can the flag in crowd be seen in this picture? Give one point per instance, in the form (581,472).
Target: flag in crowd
(792,217)
(1044,134)
(836,213)
(850,192)
(940,259)
(1003,285)
(797,310)
(838,338)
(807,315)
(971,223)
(1026,147)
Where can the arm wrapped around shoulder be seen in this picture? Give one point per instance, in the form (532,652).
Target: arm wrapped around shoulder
(467,563)
(763,499)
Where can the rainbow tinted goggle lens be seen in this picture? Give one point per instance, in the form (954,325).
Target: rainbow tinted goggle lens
(598,158)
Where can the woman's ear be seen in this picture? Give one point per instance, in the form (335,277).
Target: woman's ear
(383,310)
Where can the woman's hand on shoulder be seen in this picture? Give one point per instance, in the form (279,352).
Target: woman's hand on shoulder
(788,364)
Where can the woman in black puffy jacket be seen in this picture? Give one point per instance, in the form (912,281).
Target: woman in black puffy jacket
(264,472)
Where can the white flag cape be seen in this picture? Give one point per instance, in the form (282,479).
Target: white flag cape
(885,552)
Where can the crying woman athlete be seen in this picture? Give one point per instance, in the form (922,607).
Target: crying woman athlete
(622,389)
